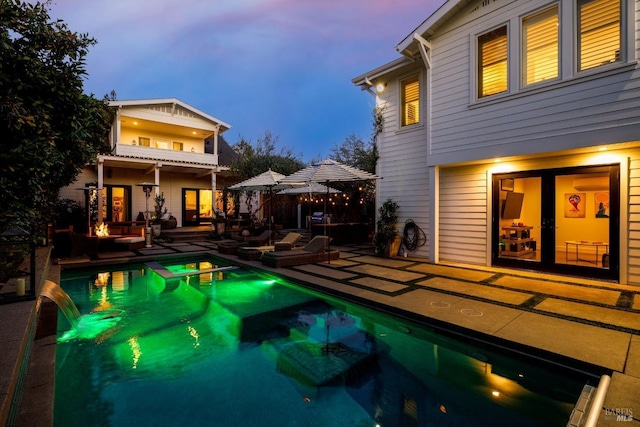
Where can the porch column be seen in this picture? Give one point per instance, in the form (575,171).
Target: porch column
(156,179)
(215,147)
(213,191)
(100,187)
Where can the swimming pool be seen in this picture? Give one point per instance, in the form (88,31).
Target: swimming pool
(199,344)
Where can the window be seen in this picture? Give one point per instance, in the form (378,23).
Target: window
(598,32)
(144,142)
(492,62)
(540,46)
(178,146)
(410,101)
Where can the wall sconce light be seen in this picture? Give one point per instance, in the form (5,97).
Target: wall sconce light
(370,86)
(109,173)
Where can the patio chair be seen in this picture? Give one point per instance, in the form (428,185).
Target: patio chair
(251,253)
(260,240)
(231,248)
(313,252)
(288,242)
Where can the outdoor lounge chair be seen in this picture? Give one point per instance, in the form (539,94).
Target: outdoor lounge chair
(250,253)
(313,252)
(231,248)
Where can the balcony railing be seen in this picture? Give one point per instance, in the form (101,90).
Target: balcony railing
(166,155)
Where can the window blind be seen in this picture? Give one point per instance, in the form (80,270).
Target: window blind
(599,34)
(493,68)
(410,101)
(540,40)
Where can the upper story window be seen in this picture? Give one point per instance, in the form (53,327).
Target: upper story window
(493,67)
(598,32)
(144,142)
(410,101)
(540,46)
(178,146)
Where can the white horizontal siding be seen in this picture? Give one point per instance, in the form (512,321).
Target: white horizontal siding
(403,165)
(633,276)
(463,215)
(527,121)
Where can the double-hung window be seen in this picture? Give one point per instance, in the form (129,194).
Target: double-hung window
(493,69)
(540,46)
(599,32)
(410,101)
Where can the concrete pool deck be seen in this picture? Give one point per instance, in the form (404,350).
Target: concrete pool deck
(580,323)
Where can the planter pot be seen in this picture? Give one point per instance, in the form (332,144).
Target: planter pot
(156,229)
(394,246)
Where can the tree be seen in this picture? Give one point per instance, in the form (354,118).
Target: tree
(51,129)
(355,152)
(253,160)
(362,155)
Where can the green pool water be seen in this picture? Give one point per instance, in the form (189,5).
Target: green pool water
(239,348)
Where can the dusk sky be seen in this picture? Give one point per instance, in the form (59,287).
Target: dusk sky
(283,66)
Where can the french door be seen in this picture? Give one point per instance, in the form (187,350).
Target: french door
(563,221)
(116,203)
(197,206)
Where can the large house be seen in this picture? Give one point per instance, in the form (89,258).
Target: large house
(169,144)
(511,135)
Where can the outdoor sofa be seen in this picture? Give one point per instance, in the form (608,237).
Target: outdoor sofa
(130,237)
(314,251)
(287,243)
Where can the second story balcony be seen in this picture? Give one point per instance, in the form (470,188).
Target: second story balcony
(165,130)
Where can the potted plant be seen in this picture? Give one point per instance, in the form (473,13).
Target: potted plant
(386,231)
(159,211)
(219,223)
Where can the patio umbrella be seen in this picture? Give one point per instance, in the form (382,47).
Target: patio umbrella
(266,181)
(325,172)
(313,187)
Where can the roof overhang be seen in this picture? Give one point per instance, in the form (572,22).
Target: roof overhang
(410,46)
(171,101)
(371,78)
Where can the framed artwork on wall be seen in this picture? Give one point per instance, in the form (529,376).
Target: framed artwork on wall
(602,204)
(574,205)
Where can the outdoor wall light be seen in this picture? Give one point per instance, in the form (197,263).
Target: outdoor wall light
(380,87)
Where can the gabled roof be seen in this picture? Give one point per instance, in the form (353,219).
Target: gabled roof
(172,101)
(409,46)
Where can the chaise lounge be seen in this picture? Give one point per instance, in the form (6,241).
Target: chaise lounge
(314,251)
(231,248)
(288,242)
